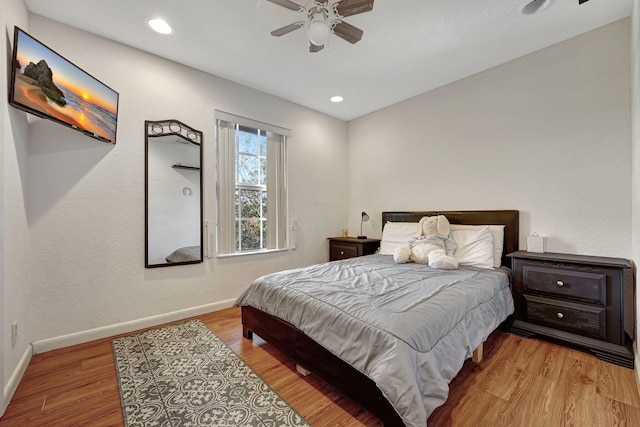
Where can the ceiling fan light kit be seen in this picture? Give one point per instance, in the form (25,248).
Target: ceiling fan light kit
(318,30)
(324,17)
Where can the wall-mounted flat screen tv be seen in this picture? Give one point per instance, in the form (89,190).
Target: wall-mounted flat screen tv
(47,85)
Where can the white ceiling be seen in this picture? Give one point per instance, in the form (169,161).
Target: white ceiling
(409,46)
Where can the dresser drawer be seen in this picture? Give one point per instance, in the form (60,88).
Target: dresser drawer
(342,251)
(577,285)
(582,319)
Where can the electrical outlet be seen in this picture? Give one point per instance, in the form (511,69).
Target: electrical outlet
(14,333)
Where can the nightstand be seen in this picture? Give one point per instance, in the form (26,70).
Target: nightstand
(349,247)
(584,301)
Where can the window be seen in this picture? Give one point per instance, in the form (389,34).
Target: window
(251,177)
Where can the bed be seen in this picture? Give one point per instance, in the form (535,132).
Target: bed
(390,351)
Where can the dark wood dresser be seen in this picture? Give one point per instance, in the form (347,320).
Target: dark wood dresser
(349,247)
(583,301)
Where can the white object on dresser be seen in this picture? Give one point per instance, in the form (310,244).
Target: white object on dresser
(535,243)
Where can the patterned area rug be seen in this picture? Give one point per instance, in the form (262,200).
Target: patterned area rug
(184,375)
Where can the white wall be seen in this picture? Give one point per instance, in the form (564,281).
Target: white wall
(635,147)
(86,198)
(14,253)
(547,134)
(3,64)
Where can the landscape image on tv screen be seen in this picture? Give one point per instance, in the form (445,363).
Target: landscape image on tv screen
(47,85)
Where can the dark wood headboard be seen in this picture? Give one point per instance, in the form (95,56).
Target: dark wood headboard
(510,219)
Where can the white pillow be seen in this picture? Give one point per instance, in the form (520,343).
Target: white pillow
(475,247)
(397,234)
(497,231)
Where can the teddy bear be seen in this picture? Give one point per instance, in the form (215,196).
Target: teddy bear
(434,246)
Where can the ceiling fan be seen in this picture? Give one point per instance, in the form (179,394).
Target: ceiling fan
(323,17)
(535,6)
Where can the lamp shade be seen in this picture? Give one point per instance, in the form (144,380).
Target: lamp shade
(318,30)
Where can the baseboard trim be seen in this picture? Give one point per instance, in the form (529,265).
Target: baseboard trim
(637,368)
(12,385)
(82,337)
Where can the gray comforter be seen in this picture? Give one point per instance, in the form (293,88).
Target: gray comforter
(408,327)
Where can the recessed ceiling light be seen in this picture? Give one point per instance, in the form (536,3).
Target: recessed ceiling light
(337,98)
(159,25)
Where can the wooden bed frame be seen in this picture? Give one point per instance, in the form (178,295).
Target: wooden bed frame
(314,358)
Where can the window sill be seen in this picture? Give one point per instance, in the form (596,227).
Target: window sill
(245,253)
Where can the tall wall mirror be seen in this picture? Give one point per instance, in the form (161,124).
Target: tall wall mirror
(173,194)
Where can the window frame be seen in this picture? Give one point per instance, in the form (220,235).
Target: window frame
(276,238)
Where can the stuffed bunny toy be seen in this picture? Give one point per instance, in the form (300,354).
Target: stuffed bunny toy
(434,246)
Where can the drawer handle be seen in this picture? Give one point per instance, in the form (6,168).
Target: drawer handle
(560,283)
(560,315)
(341,252)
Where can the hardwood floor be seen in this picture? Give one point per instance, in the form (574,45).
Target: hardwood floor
(520,382)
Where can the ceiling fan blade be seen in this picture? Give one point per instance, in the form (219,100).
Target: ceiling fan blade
(353,7)
(288,4)
(347,32)
(314,48)
(287,29)
(582,1)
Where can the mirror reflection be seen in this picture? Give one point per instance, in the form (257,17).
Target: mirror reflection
(173,194)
